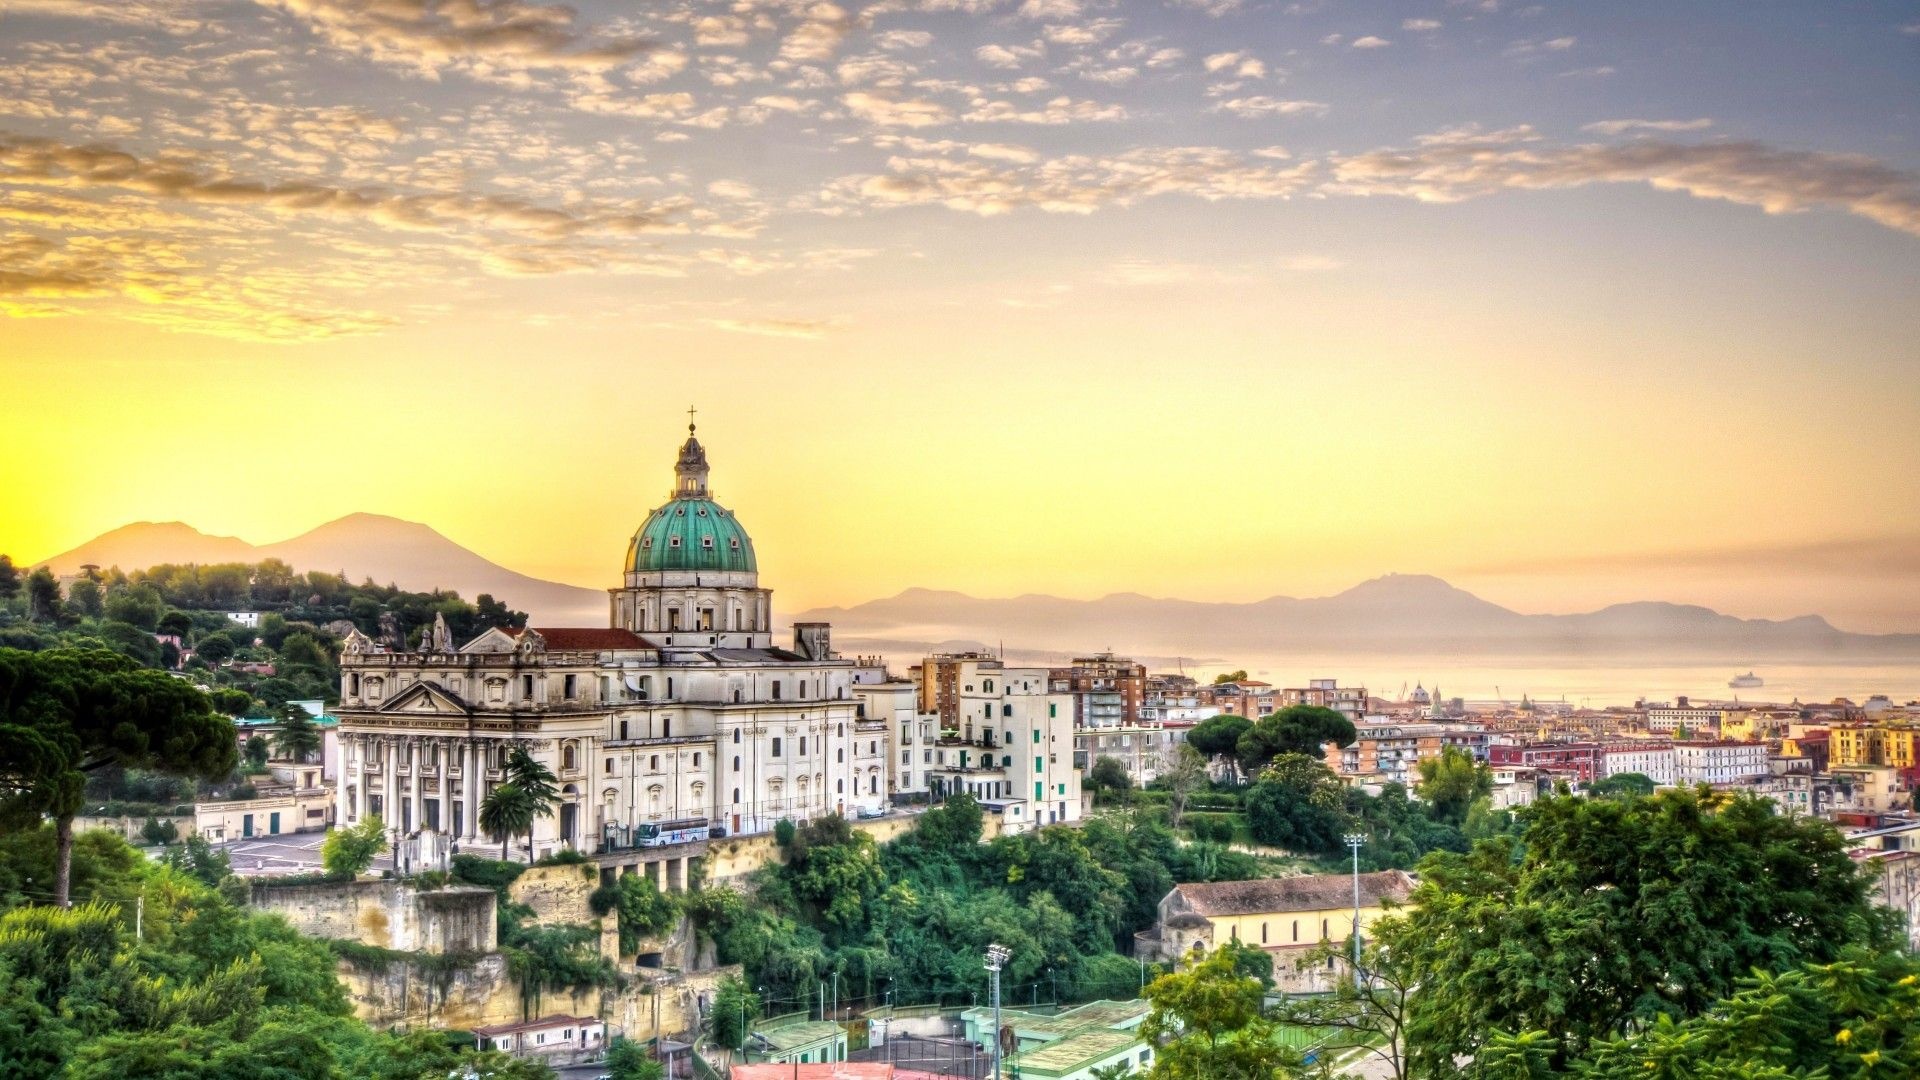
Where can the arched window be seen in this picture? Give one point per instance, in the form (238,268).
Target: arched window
(736,796)
(736,763)
(840,787)
(696,759)
(567,755)
(736,737)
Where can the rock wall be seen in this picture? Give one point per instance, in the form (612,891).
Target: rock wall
(557,894)
(388,914)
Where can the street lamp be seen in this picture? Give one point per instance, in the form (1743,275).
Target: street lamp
(1355,841)
(996,957)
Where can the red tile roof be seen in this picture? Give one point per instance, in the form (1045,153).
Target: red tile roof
(588,638)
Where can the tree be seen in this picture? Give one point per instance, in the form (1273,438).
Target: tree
(202,861)
(735,1007)
(347,852)
(1296,729)
(1605,914)
(1252,961)
(43,596)
(257,751)
(537,783)
(506,811)
(1108,777)
(1230,676)
(84,597)
(1218,737)
(138,605)
(215,648)
(1298,804)
(159,833)
(69,712)
(1622,784)
(296,737)
(629,1060)
(1186,774)
(9,579)
(1207,1024)
(231,702)
(176,622)
(1451,782)
(1373,1013)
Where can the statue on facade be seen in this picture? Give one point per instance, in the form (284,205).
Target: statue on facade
(390,636)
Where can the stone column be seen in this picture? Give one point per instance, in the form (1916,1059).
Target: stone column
(471,781)
(413,776)
(390,783)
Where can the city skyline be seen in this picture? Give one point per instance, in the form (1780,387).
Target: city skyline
(1207,300)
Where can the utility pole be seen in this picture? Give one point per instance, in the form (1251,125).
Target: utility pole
(140,915)
(996,958)
(1354,841)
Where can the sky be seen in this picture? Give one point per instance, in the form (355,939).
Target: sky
(1568,303)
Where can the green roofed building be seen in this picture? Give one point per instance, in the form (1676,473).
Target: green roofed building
(797,1041)
(1068,1045)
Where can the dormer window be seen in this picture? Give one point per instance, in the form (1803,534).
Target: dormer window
(673,541)
(646,541)
(736,543)
(706,541)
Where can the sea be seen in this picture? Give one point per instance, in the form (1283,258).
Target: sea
(1593,684)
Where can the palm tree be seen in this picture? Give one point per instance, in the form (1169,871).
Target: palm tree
(538,784)
(506,810)
(297,735)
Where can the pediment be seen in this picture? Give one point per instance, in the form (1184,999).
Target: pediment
(491,640)
(427,698)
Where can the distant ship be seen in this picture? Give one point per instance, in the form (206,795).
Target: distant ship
(1742,682)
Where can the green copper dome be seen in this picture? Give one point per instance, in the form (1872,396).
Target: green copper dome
(692,532)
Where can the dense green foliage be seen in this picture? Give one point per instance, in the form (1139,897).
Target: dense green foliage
(629,1060)
(916,914)
(1297,803)
(1607,914)
(1296,729)
(735,1008)
(540,957)
(67,712)
(210,989)
(1208,1022)
(304,617)
(348,850)
(641,909)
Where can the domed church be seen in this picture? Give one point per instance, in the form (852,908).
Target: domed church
(679,720)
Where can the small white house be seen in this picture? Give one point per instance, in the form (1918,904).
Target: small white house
(248,619)
(556,1034)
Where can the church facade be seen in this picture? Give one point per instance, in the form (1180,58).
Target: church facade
(681,713)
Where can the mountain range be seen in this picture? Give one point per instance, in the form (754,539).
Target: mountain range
(387,550)
(1398,613)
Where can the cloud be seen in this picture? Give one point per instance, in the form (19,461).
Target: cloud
(1260,105)
(1371,42)
(1621,127)
(819,33)
(1059,110)
(1007,56)
(797,329)
(1075,183)
(1215,8)
(888,112)
(1420,25)
(172,16)
(1091,32)
(478,36)
(1238,65)
(1749,173)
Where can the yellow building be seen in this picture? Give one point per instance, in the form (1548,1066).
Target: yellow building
(1288,917)
(1854,744)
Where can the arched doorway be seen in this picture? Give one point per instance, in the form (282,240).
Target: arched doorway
(570,816)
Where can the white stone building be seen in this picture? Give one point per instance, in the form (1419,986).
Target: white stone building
(1717,761)
(1650,759)
(683,710)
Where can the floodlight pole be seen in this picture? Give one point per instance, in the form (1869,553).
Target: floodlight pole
(996,958)
(1354,841)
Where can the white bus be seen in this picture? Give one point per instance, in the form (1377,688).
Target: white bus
(663,833)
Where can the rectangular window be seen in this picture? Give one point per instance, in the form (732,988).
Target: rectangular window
(776,689)
(1039,763)
(776,746)
(803,746)
(1053,710)
(1039,791)
(1036,736)
(568,687)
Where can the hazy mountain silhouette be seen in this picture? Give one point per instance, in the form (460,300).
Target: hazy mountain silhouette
(1399,613)
(385,549)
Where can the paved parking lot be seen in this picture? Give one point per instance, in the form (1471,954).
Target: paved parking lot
(288,853)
